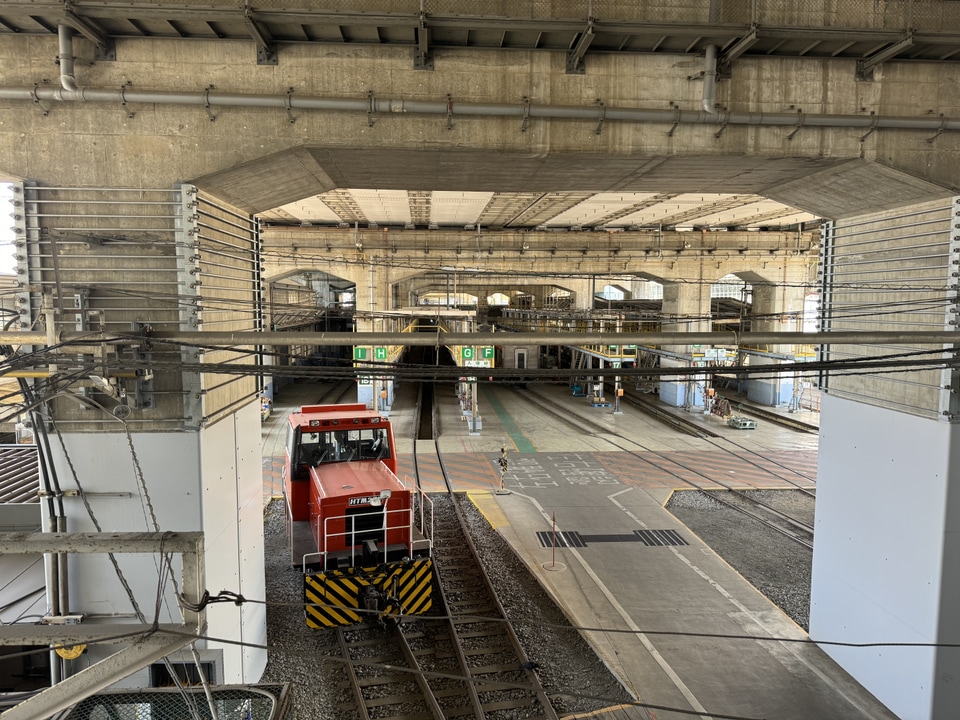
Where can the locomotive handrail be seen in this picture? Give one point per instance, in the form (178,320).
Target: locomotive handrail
(425,527)
(352,532)
(422,527)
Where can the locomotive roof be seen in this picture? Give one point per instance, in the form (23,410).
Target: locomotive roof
(341,416)
(367,477)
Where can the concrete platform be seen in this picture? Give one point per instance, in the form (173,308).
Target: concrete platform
(678,625)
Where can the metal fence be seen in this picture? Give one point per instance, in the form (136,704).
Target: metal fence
(240,702)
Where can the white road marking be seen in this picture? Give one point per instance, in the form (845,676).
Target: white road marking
(644,640)
(790,647)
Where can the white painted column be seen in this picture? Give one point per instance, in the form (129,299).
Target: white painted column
(886,563)
(209,480)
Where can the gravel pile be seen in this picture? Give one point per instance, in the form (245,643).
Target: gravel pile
(296,655)
(775,565)
(565,661)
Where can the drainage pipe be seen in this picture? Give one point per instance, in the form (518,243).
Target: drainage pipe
(210,98)
(67,79)
(710,81)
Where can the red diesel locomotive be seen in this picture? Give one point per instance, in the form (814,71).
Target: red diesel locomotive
(362,537)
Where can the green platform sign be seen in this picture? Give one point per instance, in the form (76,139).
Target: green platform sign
(466,353)
(359,353)
(379,353)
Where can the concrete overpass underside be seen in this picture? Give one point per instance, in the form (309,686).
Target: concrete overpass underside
(145,163)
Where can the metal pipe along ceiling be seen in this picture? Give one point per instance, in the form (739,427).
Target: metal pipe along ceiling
(710,81)
(443,107)
(65,58)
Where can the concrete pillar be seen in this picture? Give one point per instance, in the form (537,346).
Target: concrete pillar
(169,449)
(887,553)
(581,289)
(209,480)
(686,308)
(886,563)
(776,308)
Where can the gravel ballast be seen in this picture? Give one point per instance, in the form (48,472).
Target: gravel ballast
(775,565)
(565,662)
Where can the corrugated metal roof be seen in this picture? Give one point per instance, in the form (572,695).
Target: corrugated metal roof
(19,474)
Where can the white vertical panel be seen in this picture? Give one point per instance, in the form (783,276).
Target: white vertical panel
(232,486)
(209,481)
(889,272)
(878,568)
(105,470)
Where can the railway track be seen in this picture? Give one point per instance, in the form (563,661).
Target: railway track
(741,502)
(463,660)
(384,675)
(336,393)
(778,521)
(668,418)
(778,419)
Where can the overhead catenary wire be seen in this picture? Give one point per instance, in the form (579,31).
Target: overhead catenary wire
(540,624)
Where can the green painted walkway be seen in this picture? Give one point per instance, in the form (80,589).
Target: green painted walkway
(519,439)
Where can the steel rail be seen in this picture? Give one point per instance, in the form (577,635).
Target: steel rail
(470,685)
(477,703)
(777,418)
(352,678)
(584,424)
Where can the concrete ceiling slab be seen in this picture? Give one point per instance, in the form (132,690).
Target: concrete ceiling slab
(484,171)
(854,188)
(268,182)
(827,187)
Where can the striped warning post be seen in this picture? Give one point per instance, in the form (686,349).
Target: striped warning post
(332,598)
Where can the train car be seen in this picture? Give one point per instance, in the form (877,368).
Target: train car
(360,535)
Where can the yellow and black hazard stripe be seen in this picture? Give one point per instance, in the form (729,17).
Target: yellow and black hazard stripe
(333,598)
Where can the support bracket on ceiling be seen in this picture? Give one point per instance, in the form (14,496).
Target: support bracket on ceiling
(266,48)
(943,126)
(866,66)
(575,65)
(873,126)
(603,114)
(526,114)
(123,101)
(676,121)
(206,103)
(724,120)
(371,108)
(800,119)
(734,51)
(449,111)
(290,115)
(423,58)
(36,100)
(103,45)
